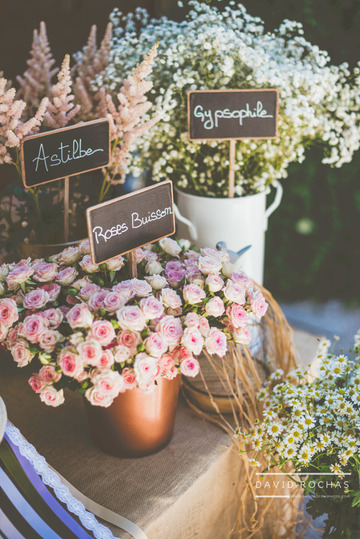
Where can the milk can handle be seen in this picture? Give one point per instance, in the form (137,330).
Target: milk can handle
(189,224)
(276,201)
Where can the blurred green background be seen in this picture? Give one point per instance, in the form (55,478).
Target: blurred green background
(312,246)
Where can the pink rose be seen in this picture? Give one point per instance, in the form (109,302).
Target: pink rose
(167,367)
(192,320)
(129,378)
(3,332)
(170,298)
(145,368)
(193,340)
(36,383)
(174,277)
(173,265)
(171,247)
(71,364)
(204,326)
(139,255)
(87,265)
(79,316)
(115,264)
(237,315)
(215,342)
(214,282)
(12,336)
(129,338)
(242,279)
(170,329)
(103,331)
(97,397)
(8,312)
(36,299)
(81,283)
(55,317)
(96,301)
(193,294)
(66,276)
(18,276)
(214,253)
(157,282)
(21,353)
(108,382)
(155,345)
(141,288)
(258,304)
(49,375)
(45,272)
(235,292)
(113,301)
(48,340)
(87,291)
(215,307)
(153,267)
(190,366)
(241,335)
(53,291)
(90,352)
(84,247)
(69,255)
(209,264)
(152,308)
(131,317)
(51,397)
(33,326)
(106,360)
(121,354)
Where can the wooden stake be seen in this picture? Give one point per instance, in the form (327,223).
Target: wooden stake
(66,209)
(232,168)
(133,264)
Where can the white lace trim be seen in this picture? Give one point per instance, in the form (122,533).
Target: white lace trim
(51,479)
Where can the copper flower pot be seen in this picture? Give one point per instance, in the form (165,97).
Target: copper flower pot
(137,423)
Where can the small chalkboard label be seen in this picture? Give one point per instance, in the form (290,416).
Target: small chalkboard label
(130,221)
(232,114)
(65,152)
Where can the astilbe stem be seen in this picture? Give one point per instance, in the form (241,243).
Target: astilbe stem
(91,62)
(125,118)
(36,81)
(61,108)
(12,128)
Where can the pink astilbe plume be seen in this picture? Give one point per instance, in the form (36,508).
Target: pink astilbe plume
(61,108)
(125,119)
(12,128)
(91,62)
(36,82)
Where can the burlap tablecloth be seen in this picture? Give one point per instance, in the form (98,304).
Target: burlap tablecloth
(187,490)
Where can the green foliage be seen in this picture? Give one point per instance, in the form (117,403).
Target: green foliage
(321,260)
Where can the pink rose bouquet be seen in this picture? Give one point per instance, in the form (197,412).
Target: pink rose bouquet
(97,331)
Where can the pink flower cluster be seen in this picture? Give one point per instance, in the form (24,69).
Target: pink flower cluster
(95,330)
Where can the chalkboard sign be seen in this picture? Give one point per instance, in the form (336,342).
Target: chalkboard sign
(130,221)
(232,114)
(65,152)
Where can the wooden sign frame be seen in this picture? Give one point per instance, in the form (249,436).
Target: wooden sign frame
(252,90)
(124,197)
(62,130)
